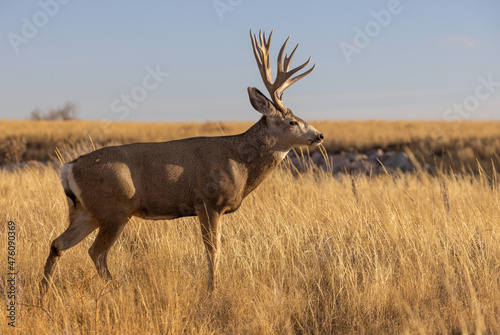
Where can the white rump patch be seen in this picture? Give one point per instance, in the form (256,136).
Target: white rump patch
(68,180)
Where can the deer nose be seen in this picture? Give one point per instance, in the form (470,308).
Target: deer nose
(320,136)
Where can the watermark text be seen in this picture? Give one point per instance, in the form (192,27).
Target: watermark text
(11,274)
(31,26)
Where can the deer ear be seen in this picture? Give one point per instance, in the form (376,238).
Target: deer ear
(260,102)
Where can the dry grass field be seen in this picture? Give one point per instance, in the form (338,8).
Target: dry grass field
(309,254)
(305,254)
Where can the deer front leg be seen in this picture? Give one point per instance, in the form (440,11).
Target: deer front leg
(210,231)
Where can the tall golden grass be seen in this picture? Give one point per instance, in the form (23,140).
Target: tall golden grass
(306,254)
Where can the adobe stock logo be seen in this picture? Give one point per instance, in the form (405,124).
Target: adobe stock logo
(363,37)
(223,6)
(30,27)
(482,92)
(139,93)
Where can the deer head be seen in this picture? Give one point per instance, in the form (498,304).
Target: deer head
(292,130)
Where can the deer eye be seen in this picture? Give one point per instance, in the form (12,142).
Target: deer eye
(293,123)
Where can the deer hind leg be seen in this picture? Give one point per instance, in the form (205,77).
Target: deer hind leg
(210,231)
(81,224)
(106,237)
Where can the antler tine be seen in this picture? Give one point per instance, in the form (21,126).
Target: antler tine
(289,82)
(254,48)
(267,44)
(289,59)
(290,73)
(269,40)
(261,54)
(262,40)
(283,80)
(280,56)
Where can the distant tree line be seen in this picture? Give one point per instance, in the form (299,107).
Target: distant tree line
(66,112)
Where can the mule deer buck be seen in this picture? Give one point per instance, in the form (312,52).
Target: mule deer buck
(203,176)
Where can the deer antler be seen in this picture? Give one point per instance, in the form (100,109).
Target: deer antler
(283,80)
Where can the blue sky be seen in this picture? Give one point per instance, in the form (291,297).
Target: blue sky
(192,60)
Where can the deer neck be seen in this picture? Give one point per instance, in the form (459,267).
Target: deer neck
(259,153)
